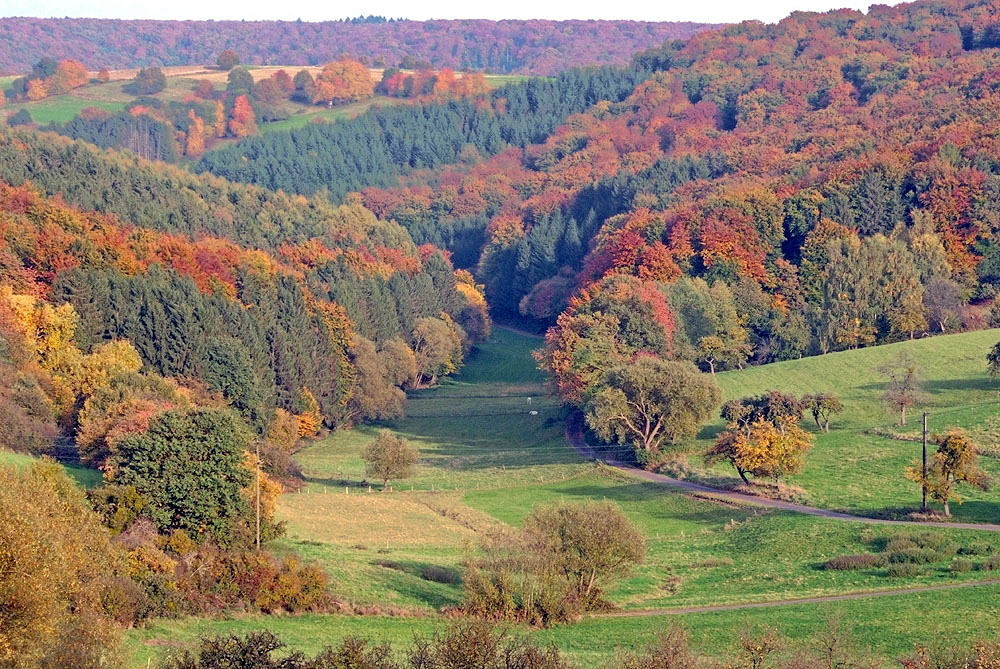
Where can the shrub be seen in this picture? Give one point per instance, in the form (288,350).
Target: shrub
(713,562)
(20,117)
(556,567)
(903,570)
(914,556)
(992,563)
(960,565)
(670,650)
(976,548)
(850,562)
(440,575)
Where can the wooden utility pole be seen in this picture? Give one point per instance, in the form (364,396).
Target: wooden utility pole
(923,480)
(257,505)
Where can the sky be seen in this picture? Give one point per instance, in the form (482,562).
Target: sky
(708,11)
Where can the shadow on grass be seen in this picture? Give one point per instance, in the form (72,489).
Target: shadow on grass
(408,582)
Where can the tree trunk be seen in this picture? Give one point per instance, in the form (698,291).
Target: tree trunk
(385,485)
(711,367)
(902,416)
(826,424)
(816,418)
(947,511)
(743,475)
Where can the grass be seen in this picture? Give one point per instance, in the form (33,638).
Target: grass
(304,114)
(61,108)
(180,82)
(87,478)
(854,469)
(887,627)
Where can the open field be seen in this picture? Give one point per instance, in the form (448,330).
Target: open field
(88,478)
(887,627)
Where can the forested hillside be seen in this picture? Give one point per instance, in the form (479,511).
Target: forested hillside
(528,47)
(772,191)
(373,149)
(190,288)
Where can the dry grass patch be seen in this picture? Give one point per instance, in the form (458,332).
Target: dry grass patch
(372,519)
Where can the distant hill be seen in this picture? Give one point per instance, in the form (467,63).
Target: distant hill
(526,47)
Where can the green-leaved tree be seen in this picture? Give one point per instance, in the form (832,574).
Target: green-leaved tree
(189,463)
(650,400)
(389,457)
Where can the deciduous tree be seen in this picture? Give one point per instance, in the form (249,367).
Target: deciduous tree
(649,401)
(955,461)
(905,387)
(389,457)
(762,449)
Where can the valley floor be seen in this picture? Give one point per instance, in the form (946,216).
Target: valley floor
(493,445)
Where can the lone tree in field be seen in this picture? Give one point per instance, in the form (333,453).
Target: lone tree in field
(905,387)
(227,60)
(650,401)
(993,361)
(389,458)
(822,406)
(954,462)
(762,448)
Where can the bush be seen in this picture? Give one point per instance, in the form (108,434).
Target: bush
(914,556)
(976,548)
(440,575)
(960,565)
(903,570)
(850,562)
(20,117)
(991,563)
(556,567)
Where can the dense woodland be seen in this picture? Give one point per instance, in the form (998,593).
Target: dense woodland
(770,192)
(376,147)
(528,47)
(186,291)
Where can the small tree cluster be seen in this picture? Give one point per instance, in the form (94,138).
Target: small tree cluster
(762,436)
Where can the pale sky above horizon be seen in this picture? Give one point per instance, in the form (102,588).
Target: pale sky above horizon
(707,11)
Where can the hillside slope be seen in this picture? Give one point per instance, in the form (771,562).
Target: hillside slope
(858,466)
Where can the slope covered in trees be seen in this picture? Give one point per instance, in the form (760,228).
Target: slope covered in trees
(375,148)
(529,47)
(307,321)
(824,183)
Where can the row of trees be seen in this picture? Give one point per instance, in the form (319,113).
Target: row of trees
(376,147)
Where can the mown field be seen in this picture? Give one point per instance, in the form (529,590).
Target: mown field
(486,460)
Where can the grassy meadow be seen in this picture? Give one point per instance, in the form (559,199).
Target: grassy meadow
(486,461)
(856,469)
